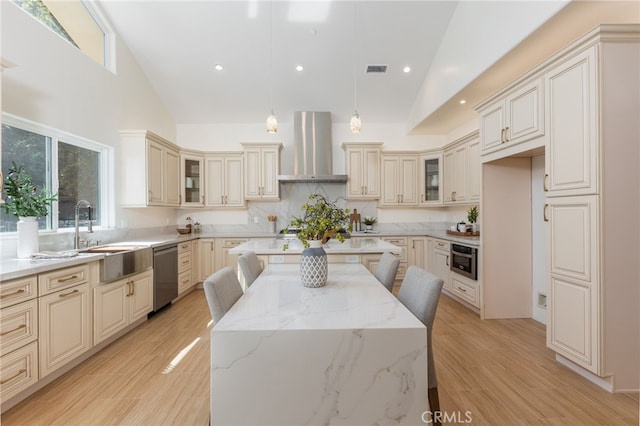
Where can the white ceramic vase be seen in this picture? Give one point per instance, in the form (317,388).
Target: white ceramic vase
(27,237)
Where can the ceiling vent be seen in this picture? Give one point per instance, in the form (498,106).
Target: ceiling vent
(376,69)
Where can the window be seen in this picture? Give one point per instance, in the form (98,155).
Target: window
(79,23)
(72,167)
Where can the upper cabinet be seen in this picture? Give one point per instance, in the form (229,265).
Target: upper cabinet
(514,118)
(150,170)
(462,170)
(262,166)
(399,179)
(191,178)
(224,180)
(572,117)
(431,179)
(363,169)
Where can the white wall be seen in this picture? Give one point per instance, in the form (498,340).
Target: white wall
(475,39)
(55,84)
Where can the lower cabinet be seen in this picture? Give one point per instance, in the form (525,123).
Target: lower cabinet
(19,370)
(121,303)
(65,326)
(207,258)
(439,252)
(465,289)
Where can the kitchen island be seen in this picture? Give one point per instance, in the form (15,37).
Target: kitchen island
(348,353)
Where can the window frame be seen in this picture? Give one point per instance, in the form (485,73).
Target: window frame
(105,175)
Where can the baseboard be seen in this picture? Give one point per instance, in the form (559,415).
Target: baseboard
(603,382)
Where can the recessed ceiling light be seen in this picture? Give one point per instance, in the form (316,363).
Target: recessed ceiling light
(299,67)
(407,69)
(463,101)
(218,67)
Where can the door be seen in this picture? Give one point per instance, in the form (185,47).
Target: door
(155,177)
(491,126)
(214,175)
(172,177)
(524,114)
(390,176)
(254,173)
(234,182)
(140,295)
(355,167)
(409,181)
(110,309)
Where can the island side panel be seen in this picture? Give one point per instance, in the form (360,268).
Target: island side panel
(364,376)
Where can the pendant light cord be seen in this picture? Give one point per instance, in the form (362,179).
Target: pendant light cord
(355,50)
(271,55)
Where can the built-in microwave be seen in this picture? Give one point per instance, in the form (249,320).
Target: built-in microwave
(464,261)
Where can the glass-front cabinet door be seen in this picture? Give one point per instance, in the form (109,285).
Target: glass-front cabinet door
(431,179)
(191,180)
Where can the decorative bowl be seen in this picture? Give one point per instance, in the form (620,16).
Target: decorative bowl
(183,230)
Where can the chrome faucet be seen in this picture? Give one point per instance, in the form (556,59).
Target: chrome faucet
(76,239)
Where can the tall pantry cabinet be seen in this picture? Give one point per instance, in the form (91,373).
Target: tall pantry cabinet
(588,128)
(592,155)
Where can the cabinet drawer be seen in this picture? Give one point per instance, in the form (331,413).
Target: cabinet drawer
(18,326)
(233,242)
(62,278)
(184,247)
(184,262)
(184,281)
(465,291)
(19,370)
(442,245)
(19,290)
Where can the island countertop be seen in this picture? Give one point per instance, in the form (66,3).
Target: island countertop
(274,246)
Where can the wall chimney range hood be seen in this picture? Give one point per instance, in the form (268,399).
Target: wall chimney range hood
(312,149)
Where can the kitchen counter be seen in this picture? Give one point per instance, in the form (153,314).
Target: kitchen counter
(274,246)
(434,233)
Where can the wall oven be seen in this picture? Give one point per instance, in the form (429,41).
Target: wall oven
(464,261)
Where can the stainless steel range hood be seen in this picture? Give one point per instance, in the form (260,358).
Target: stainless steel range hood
(312,149)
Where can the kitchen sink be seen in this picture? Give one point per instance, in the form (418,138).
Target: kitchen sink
(122,260)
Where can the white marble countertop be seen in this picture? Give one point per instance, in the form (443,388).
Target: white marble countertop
(349,246)
(352,299)
(348,353)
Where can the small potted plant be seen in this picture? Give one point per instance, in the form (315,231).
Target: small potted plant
(322,219)
(369,221)
(27,203)
(472,217)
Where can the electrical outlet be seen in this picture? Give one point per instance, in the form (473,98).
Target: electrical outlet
(256,219)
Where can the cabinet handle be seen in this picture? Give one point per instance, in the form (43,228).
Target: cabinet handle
(133,288)
(453,196)
(464,290)
(544,182)
(21,371)
(4,333)
(72,277)
(422,198)
(544,213)
(502,136)
(506,134)
(447,261)
(366,190)
(68,294)
(180,199)
(12,294)
(202,199)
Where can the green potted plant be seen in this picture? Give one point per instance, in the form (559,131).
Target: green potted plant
(472,217)
(321,220)
(27,203)
(369,221)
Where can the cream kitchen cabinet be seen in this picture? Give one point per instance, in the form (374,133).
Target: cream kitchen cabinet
(262,166)
(191,180)
(417,252)
(399,179)
(64,326)
(465,289)
(571,162)
(223,257)
(207,258)
(185,281)
(431,179)
(150,170)
(118,304)
(515,117)
(462,170)
(19,331)
(455,174)
(439,252)
(573,278)
(363,169)
(224,180)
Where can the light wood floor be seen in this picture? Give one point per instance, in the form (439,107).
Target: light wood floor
(499,371)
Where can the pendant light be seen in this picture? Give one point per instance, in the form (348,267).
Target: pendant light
(356,123)
(272,121)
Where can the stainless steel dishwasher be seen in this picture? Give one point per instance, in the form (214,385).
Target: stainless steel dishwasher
(165,275)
